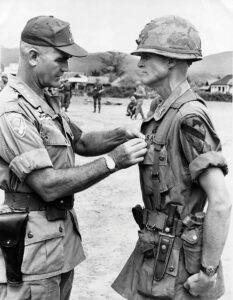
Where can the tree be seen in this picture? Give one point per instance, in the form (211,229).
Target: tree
(113,64)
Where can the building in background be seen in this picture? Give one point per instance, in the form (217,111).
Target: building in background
(224,85)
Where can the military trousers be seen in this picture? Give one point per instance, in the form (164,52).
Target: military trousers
(97,101)
(54,288)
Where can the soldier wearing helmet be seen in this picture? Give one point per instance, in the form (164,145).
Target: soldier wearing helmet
(178,253)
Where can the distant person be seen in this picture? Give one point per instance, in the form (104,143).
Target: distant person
(3,82)
(139,94)
(131,107)
(67,94)
(96,94)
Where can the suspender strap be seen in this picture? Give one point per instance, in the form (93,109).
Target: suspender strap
(155,179)
(161,138)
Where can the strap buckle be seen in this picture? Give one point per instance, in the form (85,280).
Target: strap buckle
(150,227)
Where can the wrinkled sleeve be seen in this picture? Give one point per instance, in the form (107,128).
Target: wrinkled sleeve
(21,145)
(201,146)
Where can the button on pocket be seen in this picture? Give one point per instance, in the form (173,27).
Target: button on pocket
(43,252)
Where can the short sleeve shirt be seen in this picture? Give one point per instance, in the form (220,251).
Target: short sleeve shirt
(34,134)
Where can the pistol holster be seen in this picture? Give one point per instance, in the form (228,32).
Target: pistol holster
(12,233)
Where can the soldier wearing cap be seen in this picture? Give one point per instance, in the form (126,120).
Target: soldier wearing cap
(186,215)
(38,172)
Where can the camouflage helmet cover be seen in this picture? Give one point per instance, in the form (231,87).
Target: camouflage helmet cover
(170,36)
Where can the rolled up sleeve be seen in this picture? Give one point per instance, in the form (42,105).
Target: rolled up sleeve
(25,163)
(205,161)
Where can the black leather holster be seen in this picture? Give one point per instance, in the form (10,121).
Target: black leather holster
(12,233)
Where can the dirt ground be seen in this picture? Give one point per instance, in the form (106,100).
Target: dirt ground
(104,210)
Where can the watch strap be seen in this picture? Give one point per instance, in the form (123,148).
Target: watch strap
(210,270)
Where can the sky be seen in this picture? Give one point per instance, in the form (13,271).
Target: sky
(114,25)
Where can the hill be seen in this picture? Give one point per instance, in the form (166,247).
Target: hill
(210,68)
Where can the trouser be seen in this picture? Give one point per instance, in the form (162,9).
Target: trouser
(131,112)
(97,100)
(54,288)
(66,100)
(139,111)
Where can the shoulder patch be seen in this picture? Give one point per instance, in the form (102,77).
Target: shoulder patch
(194,131)
(18,125)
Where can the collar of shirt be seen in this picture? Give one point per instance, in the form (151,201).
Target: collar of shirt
(163,108)
(49,106)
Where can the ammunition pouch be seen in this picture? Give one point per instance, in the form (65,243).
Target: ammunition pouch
(12,233)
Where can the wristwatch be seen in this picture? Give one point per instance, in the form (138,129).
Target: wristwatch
(110,163)
(209,271)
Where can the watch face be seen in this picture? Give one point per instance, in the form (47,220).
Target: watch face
(110,163)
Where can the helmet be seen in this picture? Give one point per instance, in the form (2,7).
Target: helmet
(170,36)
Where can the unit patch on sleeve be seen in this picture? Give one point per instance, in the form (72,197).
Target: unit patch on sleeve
(18,126)
(194,130)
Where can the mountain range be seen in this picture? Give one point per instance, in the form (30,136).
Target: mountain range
(210,68)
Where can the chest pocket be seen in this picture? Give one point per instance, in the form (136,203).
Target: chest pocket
(51,134)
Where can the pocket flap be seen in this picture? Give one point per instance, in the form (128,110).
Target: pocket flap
(191,236)
(51,134)
(39,229)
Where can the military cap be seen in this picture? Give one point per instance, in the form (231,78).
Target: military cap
(51,32)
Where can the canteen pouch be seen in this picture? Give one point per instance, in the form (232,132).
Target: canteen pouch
(12,233)
(192,246)
(147,285)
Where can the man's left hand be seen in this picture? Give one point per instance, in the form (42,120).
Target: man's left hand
(200,283)
(132,132)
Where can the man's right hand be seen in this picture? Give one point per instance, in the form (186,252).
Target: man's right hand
(129,153)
